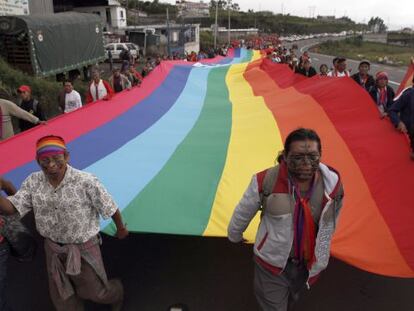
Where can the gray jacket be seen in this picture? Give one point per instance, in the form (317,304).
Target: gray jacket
(275,234)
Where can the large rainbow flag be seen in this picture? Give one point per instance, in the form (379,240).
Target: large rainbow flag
(178,152)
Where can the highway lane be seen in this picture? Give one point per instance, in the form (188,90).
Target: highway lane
(396,74)
(206,274)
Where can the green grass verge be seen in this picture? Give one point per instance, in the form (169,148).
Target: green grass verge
(355,48)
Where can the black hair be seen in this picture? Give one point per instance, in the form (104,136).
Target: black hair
(67,81)
(301,134)
(323,65)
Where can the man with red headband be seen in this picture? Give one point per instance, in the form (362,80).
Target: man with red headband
(300,199)
(67,205)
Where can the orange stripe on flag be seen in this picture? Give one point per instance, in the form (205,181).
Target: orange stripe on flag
(362,238)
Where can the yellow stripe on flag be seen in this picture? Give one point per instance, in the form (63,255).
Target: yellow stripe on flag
(254,144)
(256,55)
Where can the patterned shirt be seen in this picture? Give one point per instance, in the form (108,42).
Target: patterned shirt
(69,213)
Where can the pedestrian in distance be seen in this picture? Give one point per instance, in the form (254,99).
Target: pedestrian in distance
(31,105)
(362,77)
(382,94)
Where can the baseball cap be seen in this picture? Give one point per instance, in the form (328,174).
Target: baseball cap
(365,61)
(24,88)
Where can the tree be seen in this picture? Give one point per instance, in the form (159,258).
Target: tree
(224,5)
(376,24)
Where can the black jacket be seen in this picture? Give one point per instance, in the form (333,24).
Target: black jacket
(390,97)
(368,85)
(31,106)
(403,109)
(310,73)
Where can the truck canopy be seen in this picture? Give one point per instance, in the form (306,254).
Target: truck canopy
(48,44)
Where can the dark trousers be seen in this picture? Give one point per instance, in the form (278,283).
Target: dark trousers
(88,286)
(4,255)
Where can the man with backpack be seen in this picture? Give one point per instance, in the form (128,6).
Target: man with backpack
(300,199)
(31,105)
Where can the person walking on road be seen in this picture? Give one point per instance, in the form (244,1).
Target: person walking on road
(339,70)
(300,199)
(401,114)
(67,205)
(307,70)
(8,110)
(362,77)
(31,105)
(382,93)
(98,89)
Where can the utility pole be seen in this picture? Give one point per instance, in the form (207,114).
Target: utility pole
(168,34)
(215,27)
(228,31)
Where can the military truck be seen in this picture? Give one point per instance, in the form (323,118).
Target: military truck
(54,44)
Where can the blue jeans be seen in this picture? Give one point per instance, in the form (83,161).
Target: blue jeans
(4,255)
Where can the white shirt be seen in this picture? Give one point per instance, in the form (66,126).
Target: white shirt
(338,74)
(98,89)
(73,101)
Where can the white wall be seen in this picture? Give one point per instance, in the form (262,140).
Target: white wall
(94,10)
(118,17)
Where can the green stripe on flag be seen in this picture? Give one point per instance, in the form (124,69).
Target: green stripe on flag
(179,199)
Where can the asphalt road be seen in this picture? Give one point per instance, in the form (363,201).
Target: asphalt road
(396,74)
(207,274)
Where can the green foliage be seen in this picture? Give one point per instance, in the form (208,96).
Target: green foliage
(206,39)
(151,7)
(268,22)
(224,4)
(265,21)
(377,24)
(44,91)
(355,48)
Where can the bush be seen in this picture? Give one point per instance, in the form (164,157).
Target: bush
(44,91)
(206,39)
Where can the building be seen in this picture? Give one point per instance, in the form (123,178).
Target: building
(190,9)
(183,38)
(112,14)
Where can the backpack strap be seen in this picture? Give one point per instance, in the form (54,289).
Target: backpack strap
(269,182)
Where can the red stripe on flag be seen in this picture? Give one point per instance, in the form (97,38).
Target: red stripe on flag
(102,112)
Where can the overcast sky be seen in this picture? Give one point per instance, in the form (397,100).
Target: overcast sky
(394,13)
